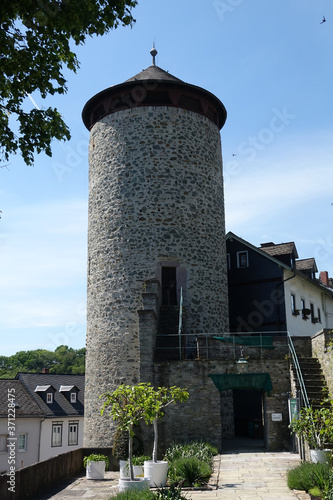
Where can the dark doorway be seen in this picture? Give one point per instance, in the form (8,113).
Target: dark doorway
(169,286)
(248,413)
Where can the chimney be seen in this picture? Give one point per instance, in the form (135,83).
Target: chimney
(45,370)
(268,244)
(323,277)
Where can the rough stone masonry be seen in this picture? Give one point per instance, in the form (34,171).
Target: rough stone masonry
(155,199)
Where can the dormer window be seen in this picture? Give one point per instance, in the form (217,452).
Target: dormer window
(70,392)
(46,392)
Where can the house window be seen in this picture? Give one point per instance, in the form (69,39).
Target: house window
(73,397)
(22,442)
(228,261)
(56,435)
(242,259)
(73,433)
(293,304)
(304,310)
(49,397)
(319,315)
(3,442)
(312,313)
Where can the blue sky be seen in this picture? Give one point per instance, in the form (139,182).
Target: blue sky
(270,63)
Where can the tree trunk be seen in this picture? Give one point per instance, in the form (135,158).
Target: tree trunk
(155,441)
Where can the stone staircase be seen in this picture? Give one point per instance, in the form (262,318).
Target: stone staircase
(167,339)
(314,380)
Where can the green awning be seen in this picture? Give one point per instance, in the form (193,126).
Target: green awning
(258,381)
(255,341)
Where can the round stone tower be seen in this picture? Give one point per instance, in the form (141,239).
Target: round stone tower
(156,215)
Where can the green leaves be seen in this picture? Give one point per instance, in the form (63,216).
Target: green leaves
(35,41)
(315,425)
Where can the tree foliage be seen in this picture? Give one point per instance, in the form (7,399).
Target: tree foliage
(36,40)
(63,360)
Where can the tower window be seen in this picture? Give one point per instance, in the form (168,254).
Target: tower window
(169,286)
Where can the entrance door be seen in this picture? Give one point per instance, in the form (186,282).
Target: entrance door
(169,286)
(248,415)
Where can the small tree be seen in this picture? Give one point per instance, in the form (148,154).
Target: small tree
(127,405)
(315,425)
(157,400)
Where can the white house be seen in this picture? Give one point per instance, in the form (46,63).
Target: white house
(41,416)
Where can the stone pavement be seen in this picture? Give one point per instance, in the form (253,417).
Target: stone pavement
(252,474)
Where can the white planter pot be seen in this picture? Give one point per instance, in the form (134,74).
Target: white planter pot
(156,472)
(138,470)
(139,483)
(95,470)
(124,470)
(321,456)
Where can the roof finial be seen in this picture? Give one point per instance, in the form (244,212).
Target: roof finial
(153,53)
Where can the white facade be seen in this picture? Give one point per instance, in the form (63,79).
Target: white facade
(23,447)
(311,296)
(53,442)
(36,440)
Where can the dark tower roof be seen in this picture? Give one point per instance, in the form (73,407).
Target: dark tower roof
(154,87)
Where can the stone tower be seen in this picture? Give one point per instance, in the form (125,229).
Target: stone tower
(156,214)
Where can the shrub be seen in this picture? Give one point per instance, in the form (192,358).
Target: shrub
(189,471)
(309,475)
(202,451)
(172,493)
(134,495)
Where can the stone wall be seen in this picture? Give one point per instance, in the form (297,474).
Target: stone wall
(322,348)
(155,199)
(202,417)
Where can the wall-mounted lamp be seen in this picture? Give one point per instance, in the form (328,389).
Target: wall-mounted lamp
(242,364)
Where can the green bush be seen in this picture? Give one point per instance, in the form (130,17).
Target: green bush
(134,495)
(172,493)
(309,475)
(202,451)
(189,471)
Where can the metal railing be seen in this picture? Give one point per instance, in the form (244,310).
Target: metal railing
(208,345)
(304,395)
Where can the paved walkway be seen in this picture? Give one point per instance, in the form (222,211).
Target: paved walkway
(251,474)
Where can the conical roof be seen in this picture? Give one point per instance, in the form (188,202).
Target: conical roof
(153,86)
(154,73)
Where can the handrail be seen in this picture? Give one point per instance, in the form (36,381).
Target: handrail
(298,371)
(180,322)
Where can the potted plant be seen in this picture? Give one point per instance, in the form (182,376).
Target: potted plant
(157,400)
(315,426)
(95,466)
(126,404)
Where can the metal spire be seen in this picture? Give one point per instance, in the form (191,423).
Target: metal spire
(153,53)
